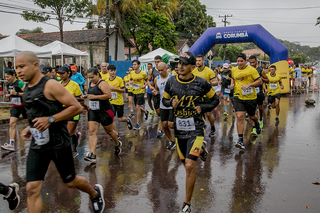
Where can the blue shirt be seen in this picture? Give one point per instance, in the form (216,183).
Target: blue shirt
(79,79)
(298,72)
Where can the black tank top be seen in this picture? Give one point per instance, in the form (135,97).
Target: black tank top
(37,105)
(15,86)
(95,90)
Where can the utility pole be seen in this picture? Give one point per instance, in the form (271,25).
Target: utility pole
(107,32)
(225,24)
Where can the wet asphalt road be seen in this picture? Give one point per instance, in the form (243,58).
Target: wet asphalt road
(274,174)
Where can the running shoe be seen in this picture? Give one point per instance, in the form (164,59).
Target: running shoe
(146,115)
(129,124)
(90,157)
(98,202)
(269,106)
(211,134)
(118,136)
(137,127)
(203,156)
(152,112)
(258,129)
(261,124)
(14,198)
(239,144)
(185,208)
(225,113)
(131,115)
(75,154)
(254,131)
(171,145)
(8,147)
(160,134)
(117,149)
(277,121)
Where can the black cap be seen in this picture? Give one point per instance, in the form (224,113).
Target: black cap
(46,69)
(63,69)
(187,58)
(42,65)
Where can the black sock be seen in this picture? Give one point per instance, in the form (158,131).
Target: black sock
(257,125)
(73,146)
(184,203)
(240,136)
(260,119)
(213,129)
(4,189)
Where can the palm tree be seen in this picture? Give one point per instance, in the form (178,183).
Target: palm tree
(166,7)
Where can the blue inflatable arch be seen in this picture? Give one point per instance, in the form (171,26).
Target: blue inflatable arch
(240,34)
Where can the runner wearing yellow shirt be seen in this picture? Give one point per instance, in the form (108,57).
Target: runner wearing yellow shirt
(117,88)
(273,91)
(139,84)
(104,71)
(206,73)
(304,75)
(244,80)
(309,75)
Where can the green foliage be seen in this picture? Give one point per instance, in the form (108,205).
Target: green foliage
(156,29)
(299,58)
(318,21)
(231,52)
(26,31)
(192,19)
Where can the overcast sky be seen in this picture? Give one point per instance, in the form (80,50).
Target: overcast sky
(292,20)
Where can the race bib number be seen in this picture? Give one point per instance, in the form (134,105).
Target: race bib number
(41,138)
(248,91)
(227,91)
(136,86)
(185,124)
(257,89)
(130,85)
(305,79)
(273,86)
(16,100)
(114,95)
(94,105)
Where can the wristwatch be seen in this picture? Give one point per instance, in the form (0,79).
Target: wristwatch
(51,119)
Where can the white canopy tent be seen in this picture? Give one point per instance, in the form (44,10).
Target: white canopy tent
(150,56)
(60,49)
(11,46)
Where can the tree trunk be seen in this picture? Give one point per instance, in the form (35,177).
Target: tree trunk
(116,44)
(61,29)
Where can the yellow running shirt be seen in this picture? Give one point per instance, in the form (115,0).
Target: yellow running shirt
(245,76)
(309,72)
(174,73)
(126,80)
(206,73)
(274,86)
(304,72)
(138,81)
(73,88)
(105,76)
(116,97)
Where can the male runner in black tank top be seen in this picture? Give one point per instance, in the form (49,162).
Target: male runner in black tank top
(43,99)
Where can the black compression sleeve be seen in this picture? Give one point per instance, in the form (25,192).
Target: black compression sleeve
(208,107)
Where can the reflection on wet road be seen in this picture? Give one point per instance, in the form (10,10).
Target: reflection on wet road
(274,174)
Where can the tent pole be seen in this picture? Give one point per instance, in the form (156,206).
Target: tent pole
(80,65)
(14,62)
(61,60)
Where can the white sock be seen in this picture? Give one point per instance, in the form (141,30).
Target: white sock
(10,191)
(12,142)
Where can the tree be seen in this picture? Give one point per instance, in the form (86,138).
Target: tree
(166,7)
(156,29)
(299,58)
(26,31)
(318,21)
(231,52)
(192,19)
(61,10)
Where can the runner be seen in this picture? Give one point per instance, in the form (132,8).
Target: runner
(117,88)
(273,91)
(100,112)
(139,84)
(244,80)
(217,87)
(166,113)
(260,95)
(130,94)
(74,89)
(15,89)
(46,70)
(149,92)
(206,73)
(185,94)
(226,91)
(126,80)
(298,75)
(77,77)
(43,99)
(10,193)
(104,71)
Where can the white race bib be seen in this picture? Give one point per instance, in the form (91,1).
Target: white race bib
(41,138)
(257,89)
(114,95)
(305,79)
(273,86)
(248,91)
(130,85)
(16,100)
(185,124)
(227,91)
(136,86)
(94,105)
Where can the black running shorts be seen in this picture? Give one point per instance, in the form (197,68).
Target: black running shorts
(17,111)
(103,117)
(189,148)
(271,98)
(39,159)
(248,106)
(260,98)
(166,115)
(149,96)
(156,101)
(118,110)
(130,94)
(138,99)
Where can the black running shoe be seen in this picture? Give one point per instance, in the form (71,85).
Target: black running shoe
(90,157)
(146,115)
(171,145)
(160,134)
(129,124)
(14,198)
(98,202)
(277,121)
(203,156)
(258,129)
(117,150)
(239,144)
(185,208)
